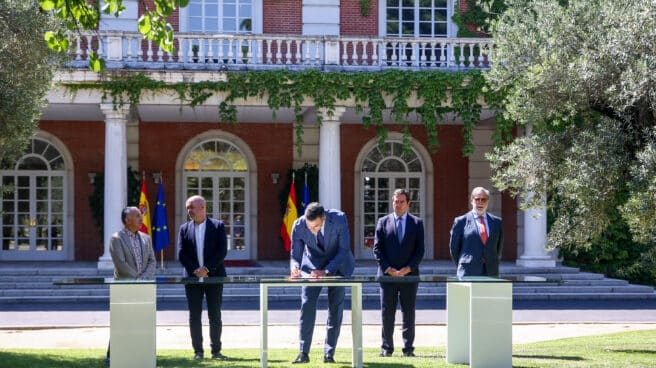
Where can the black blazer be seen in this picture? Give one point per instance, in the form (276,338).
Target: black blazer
(214,249)
(389,253)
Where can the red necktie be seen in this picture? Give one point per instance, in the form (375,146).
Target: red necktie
(483,230)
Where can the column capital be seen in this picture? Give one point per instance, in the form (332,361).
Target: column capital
(331,115)
(114,112)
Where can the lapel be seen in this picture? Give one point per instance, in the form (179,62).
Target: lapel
(492,226)
(327,234)
(127,248)
(144,244)
(471,225)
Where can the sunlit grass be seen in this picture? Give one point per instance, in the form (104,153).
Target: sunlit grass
(625,350)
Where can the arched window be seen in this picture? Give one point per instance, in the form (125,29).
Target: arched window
(217,170)
(383,170)
(33,205)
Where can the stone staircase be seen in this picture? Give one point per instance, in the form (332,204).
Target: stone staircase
(32,282)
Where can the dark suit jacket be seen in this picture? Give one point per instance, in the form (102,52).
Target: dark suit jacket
(214,249)
(125,264)
(467,249)
(389,253)
(336,258)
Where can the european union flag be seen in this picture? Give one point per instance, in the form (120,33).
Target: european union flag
(306,197)
(161,229)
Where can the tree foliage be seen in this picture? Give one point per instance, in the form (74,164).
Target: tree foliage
(580,76)
(79,15)
(26,71)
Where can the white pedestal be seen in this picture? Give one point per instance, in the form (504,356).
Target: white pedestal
(132,309)
(479,324)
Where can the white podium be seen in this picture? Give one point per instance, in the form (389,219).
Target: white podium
(479,324)
(132,308)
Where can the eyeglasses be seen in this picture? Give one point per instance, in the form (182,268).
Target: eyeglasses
(482,200)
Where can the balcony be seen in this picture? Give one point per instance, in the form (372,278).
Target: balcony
(125,50)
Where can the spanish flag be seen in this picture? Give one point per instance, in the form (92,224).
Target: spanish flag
(291,214)
(144,208)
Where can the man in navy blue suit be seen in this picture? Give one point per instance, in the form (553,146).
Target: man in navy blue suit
(398,249)
(477,238)
(203,247)
(320,247)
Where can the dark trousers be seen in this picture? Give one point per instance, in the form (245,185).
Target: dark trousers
(309,296)
(390,295)
(214,297)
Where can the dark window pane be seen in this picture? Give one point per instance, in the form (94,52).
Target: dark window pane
(392,14)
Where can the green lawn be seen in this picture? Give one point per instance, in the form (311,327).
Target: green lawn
(628,349)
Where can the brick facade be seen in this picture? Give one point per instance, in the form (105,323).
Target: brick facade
(85,140)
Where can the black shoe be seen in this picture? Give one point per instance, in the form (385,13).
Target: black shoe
(408,354)
(219,356)
(198,356)
(384,353)
(328,358)
(301,358)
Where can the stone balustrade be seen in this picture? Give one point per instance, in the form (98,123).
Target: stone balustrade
(246,51)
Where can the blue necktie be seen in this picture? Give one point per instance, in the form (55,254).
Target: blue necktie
(399,228)
(320,240)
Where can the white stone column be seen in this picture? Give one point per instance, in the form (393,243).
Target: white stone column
(116,180)
(330,178)
(535,239)
(535,235)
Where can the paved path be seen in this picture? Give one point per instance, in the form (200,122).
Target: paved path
(57,326)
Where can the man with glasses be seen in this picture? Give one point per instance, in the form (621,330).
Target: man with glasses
(477,238)
(320,248)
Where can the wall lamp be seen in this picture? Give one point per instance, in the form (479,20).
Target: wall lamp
(157,177)
(275,177)
(92,177)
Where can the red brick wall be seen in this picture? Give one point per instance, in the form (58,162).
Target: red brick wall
(174,19)
(272,145)
(282,17)
(86,143)
(352,23)
(450,177)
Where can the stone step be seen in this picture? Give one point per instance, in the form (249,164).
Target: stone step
(27,282)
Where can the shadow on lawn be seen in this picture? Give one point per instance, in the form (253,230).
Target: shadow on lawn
(551,357)
(22,360)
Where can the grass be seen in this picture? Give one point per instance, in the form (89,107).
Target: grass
(625,350)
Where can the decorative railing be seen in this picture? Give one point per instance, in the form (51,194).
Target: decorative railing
(241,51)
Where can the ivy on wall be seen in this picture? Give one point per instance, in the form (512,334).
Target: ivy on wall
(440,93)
(365,6)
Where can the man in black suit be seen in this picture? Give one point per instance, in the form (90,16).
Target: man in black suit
(398,249)
(203,247)
(477,238)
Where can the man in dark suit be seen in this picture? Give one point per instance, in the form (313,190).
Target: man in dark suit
(131,250)
(477,238)
(320,247)
(203,247)
(398,249)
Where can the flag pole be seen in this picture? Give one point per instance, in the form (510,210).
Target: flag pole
(161,252)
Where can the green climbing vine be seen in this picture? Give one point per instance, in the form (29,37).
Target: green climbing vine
(365,6)
(440,93)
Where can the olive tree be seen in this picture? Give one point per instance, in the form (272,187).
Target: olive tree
(579,76)
(26,71)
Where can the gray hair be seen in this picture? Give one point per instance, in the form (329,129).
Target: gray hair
(479,190)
